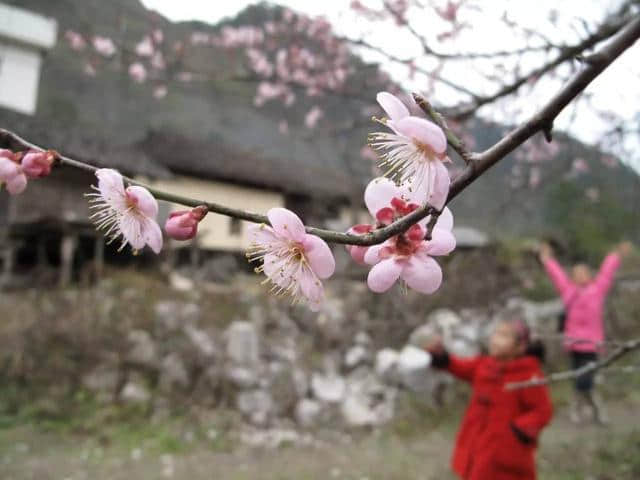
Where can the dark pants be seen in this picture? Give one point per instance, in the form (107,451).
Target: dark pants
(584,383)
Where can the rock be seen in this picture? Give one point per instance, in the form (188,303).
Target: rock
(330,321)
(219,269)
(444,319)
(243,344)
(143,351)
(362,338)
(256,406)
(367,402)
(413,369)
(242,377)
(386,365)
(201,341)
(328,388)
(171,315)
(135,391)
(102,381)
(307,412)
(282,388)
(301,382)
(356,355)
(180,283)
(423,334)
(534,312)
(173,374)
(208,387)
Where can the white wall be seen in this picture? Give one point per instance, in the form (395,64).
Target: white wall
(215,231)
(19,77)
(26,27)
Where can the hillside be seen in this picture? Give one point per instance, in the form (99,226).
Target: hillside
(211,128)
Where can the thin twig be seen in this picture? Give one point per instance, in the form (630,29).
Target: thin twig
(453,140)
(545,116)
(605,31)
(616,355)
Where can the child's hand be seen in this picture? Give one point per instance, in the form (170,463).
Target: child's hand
(434,345)
(624,249)
(545,252)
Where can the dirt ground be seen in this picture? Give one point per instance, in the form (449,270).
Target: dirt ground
(567,452)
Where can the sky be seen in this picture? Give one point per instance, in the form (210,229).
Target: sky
(617,89)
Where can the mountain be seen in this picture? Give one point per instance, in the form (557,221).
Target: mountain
(211,128)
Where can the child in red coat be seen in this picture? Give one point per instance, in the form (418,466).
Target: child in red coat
(498,436)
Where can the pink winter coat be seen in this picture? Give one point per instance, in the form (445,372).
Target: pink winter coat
(584,329)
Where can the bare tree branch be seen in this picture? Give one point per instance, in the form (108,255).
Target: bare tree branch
(544,118)
(478,164)
(620,352)
(607,30)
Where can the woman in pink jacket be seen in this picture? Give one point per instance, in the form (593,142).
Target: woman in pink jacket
(584,296)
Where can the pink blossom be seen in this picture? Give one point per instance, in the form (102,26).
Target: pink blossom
(609,161)
(449,12)
(158,36)
(128,212)
(138,72)
(11,173)
(408,255)
(313,116)
(579,166)
(185,77)
(36,164)
(200,38)
(76,41)
(534,177)
(183,224)
(160,92)
(157,61)
(593,194)
(294,261)
(145,47)
(414,153)
(283,127)
(104,46)
(89,70)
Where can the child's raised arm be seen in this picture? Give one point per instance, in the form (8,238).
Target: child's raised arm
(557,275)
(463,368)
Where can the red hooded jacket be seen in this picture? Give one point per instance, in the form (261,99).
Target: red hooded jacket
(498,436)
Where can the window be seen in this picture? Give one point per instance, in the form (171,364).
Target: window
(235,226)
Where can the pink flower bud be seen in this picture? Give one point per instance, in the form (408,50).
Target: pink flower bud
(36,164)
(183,224)
(11,172)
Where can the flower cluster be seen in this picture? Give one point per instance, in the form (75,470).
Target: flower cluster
(17,167)
(407,255)
(296,262)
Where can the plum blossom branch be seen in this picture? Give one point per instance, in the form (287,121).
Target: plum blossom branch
(481,161)
(620,352)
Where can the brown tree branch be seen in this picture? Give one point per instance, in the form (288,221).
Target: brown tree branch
(620,352)
(479,164)
(544,118)
(607,30)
